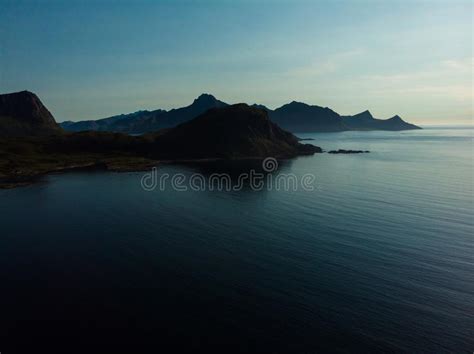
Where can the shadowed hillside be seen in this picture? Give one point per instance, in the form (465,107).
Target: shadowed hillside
(231,132)
(22,113)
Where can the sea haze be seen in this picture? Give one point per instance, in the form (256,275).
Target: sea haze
(378,257)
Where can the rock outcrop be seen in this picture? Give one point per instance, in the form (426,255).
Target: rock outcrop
(22,114)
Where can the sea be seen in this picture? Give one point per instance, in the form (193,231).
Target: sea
(374,254)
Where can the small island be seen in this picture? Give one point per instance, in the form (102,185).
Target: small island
(343,151)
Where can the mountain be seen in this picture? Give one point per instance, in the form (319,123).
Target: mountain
(120,123)
(300,117)
(365,121)
(230,132)
(22,113)
(147,121)
(294,116)
(32,144)
(176,116)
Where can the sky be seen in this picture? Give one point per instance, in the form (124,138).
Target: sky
(94,59)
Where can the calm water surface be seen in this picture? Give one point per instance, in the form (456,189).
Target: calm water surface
(379,257)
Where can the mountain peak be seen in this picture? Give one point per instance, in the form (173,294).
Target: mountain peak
(365,114)
(23,113)
(297,103)
(204,98)
(25,94)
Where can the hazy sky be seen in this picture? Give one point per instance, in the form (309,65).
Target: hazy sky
(92,59)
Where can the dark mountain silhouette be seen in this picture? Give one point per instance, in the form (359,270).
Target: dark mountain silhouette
(300,117)
(360,118)
(177,116)
(294,116)
(32,144)
(230,132)
(22,113)
(261,106)
(148,121)
(120,123)
(365,121)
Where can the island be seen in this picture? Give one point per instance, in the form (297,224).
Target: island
(33,144)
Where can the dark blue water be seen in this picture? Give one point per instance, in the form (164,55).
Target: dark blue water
(380,256)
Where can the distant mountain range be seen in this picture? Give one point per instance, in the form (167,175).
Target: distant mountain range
(365,121)
(295,117)
(147,121)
